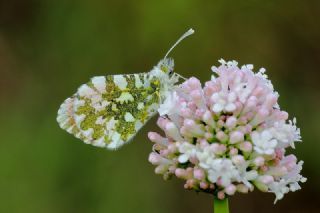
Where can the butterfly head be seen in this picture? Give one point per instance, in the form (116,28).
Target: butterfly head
(163,70)
(166,66)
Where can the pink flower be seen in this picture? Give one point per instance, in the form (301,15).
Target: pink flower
(228,136)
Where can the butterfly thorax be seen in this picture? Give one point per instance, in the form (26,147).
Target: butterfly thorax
(167,78)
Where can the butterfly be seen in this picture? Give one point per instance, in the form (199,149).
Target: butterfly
(109,110)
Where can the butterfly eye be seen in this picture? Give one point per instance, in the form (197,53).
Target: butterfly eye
(166,65)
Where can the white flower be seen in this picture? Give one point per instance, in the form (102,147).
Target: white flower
(169,106)
(224,170)
(187,150)
(263,142)
(205,158)
(288,182)
(279,189)
(223,102)
(286,133)
(246,176)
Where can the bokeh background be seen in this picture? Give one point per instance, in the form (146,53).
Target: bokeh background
(48,48)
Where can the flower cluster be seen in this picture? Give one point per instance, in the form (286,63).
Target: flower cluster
(229,136)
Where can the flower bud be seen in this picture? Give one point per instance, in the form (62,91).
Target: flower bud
(245,146)
(236,137)
(198,174)
(221,195)
(230,190)
(259,161)
(231,122)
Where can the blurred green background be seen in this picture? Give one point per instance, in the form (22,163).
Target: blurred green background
(49,48)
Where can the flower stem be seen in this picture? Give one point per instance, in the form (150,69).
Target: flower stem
(220,206)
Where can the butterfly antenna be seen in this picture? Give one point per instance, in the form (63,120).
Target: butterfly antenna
(186,34)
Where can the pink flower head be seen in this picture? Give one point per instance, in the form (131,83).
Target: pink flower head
(228,136)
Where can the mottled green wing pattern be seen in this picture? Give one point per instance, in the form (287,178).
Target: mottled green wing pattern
(108,111)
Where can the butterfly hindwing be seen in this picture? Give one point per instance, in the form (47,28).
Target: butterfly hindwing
(108,111)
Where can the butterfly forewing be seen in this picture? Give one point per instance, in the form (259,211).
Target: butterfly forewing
(108,111)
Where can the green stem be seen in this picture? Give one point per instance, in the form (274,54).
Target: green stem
(220,206)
